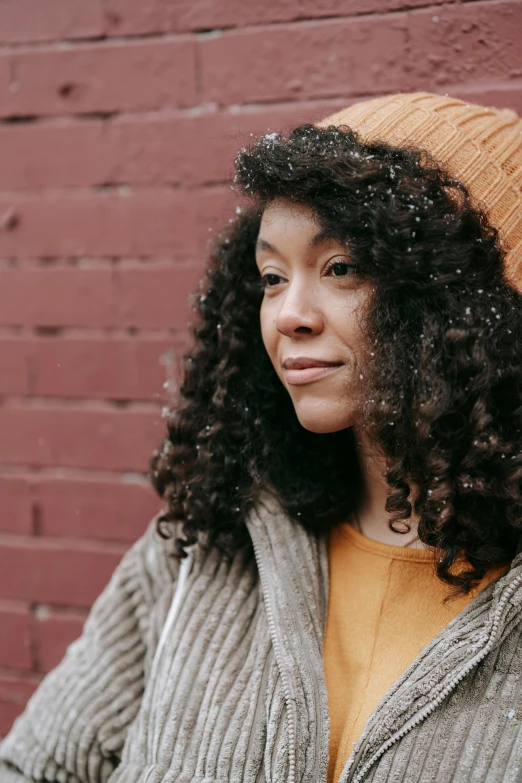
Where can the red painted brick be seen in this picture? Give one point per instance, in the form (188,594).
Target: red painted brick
(75,437)
(100,77)
(5,81)
(343,57)
(139,150)
(217,206)
(462,44)
(15,640)
(105,368)
(15,505)
(153,297)
(193,150)
(31,20)
(13,366)
(158,297)
(131,16)
(152,150)
(110,510)
(55,572)
(59,296)
(52,632)
(14,694)
(44,156)
(503,96)
(144,223)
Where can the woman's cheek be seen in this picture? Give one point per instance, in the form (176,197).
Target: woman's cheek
(268,328)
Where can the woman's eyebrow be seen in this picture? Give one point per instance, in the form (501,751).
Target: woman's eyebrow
(317,239)
(263,244)
(322,236)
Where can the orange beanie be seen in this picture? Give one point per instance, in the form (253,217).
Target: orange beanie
(479,146)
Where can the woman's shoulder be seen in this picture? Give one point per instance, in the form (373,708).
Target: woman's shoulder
(153,559)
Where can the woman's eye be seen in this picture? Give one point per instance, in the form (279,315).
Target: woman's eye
(270,280)
(340,268)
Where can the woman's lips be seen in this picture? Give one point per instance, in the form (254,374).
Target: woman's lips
(298,376)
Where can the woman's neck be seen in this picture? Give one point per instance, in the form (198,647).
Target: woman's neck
(371,517)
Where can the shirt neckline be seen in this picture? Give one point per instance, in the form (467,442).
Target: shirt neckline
(389,551)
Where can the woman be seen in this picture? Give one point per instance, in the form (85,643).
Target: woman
(333,590)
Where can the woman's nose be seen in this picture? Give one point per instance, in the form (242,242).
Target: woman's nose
(298,312)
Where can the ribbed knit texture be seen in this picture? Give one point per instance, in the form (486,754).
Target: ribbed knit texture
(480,146)
(392,595)
(75,726)
(238,692)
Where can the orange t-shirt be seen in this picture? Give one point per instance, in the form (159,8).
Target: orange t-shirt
(385,605)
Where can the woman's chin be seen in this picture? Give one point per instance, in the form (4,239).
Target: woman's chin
(323,419)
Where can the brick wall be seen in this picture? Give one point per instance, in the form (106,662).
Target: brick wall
(119,120)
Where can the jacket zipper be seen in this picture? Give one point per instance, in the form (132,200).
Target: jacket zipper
(423,713)
(287,685)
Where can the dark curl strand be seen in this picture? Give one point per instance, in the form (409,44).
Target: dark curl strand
(442,390)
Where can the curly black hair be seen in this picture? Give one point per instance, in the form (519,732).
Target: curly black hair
(443,381)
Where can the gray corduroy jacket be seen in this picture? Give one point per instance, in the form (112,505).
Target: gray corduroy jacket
(208,672)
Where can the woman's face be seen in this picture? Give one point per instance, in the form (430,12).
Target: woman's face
(310,315)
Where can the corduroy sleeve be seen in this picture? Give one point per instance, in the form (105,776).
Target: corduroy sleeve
(75,724)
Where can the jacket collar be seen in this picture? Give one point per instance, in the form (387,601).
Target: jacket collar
(293,567)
